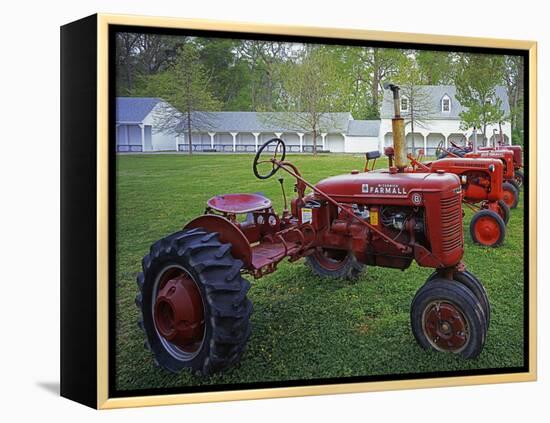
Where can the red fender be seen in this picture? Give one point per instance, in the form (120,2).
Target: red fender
(228,232)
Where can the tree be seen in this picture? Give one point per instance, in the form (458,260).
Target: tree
(476,81)
(264,60)
(310,94)
(185,85)
(419,104)
(435,67)
(125,61)
(514,80)
(383,65)
(141,55)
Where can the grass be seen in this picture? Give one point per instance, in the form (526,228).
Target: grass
(303,327)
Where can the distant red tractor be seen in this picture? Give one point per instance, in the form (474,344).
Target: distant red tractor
(460,150)
(192,295)
(510,185)
(482,192)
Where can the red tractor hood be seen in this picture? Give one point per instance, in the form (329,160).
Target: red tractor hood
(387,185)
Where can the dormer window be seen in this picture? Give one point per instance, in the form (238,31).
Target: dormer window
(404,104)
(446,104)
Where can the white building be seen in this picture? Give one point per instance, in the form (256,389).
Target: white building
(442,123)
(138,127)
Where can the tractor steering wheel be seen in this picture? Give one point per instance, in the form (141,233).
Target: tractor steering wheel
(440,148)
(279,146)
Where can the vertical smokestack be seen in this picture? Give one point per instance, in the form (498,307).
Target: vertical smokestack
(475,140)
(398,129)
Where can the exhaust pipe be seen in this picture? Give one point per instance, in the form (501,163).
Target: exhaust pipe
(398,130)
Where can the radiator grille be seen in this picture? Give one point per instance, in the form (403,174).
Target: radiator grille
(451,223)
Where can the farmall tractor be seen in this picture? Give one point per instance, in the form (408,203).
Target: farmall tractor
(193,295)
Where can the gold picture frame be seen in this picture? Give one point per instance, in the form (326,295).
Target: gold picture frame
(102,398)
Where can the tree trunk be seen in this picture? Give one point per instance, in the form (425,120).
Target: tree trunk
(374,91)
(189,136)
(314,141)
(412,126)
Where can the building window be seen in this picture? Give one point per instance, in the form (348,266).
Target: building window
(445,104)
(404,104)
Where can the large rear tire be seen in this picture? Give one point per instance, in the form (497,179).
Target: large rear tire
(511,195)
(193,303)
(447,317)
(332,263)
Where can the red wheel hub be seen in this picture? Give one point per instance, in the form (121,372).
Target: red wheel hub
(487,230)
(179,311)
(445,326)
(508,198)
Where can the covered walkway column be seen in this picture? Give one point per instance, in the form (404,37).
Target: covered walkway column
(323,137)
(278,134)
(212,134)
(301,135)
(234,135)
(142,127)
(425,143)
(446,139)
(256,135)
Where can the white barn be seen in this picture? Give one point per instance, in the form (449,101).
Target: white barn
(138,129)
(443,122)
(137,125)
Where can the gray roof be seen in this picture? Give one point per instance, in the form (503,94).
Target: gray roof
(265,122)
(363,128)
(435,93)
(134,109)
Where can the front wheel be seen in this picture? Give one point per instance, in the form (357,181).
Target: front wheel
(511,195)
(193,304)
(331,263)
(503,211)
(447,317)
(518,174)
(470,281)
(487,228)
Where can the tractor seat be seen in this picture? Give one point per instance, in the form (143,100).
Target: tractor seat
(371,155)
(239,203)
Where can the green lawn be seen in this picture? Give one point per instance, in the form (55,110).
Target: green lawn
(303,327)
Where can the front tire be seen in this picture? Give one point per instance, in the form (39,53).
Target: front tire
(511,195)
(487,229)
(503,211)
(331,263)
(447,317)
(470,281)
(193,303)
(519,177)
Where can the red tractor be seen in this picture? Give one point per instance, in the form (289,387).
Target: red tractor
(193,296)
(510,186)
(461,150)
(482,192)
(518,159)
